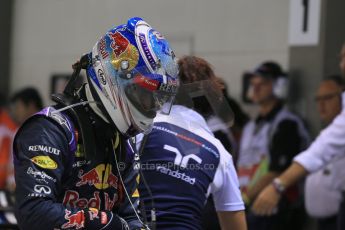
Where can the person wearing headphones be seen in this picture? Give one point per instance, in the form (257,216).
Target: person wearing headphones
(182,161)
(329,144)
(268,145)
(73,161)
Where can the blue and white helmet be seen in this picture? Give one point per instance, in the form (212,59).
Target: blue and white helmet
(134,73)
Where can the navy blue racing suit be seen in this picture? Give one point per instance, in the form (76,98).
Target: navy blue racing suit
(59,188)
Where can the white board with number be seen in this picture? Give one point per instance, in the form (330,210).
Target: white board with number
(304,22)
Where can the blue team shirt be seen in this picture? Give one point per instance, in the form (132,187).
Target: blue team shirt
(183,163)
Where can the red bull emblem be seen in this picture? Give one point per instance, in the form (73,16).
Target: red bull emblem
(112,180)
(123,50)
(119,43)
(91,177)
(75,220)
(94,177)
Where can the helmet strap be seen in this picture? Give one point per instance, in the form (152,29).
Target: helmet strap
(72,83)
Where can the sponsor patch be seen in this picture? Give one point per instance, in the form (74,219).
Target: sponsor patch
(61,120)
(102,49)
(73,200)
(39,174)
(191,140)
(44,162)
(146,83)
(75,220)
(42,189)
(135,194)
(104,218)
(44,148)
(170,88)
(80,163)
(41,181)
(123,50)
(177,174)
(95,175)
(36,195)
(101,76)
(118,43)
(91,72)
(145,47)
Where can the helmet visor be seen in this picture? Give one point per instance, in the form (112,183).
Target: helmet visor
(143,94)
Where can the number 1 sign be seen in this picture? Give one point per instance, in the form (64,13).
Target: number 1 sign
(304,22)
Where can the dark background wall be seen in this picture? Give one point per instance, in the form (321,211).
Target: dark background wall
(5,44)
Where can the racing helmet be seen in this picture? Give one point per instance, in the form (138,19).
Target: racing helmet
(133,73)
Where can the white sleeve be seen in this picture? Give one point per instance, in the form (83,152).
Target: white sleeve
(329,144)
(225,186)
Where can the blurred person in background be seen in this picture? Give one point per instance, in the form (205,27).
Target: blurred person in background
(25,103)
(329,144)
(74,161)
(322,192)
(230,138)
(268,145)
(188,162)
(241,119)
(7,131)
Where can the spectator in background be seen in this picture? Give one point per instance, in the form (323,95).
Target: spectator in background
(25,103)
(329,144)
(241,118)
(322,192)
(268,146)
(7,131)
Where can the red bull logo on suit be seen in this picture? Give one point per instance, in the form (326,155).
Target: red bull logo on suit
(75,220)
(95,175)
(72,199)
